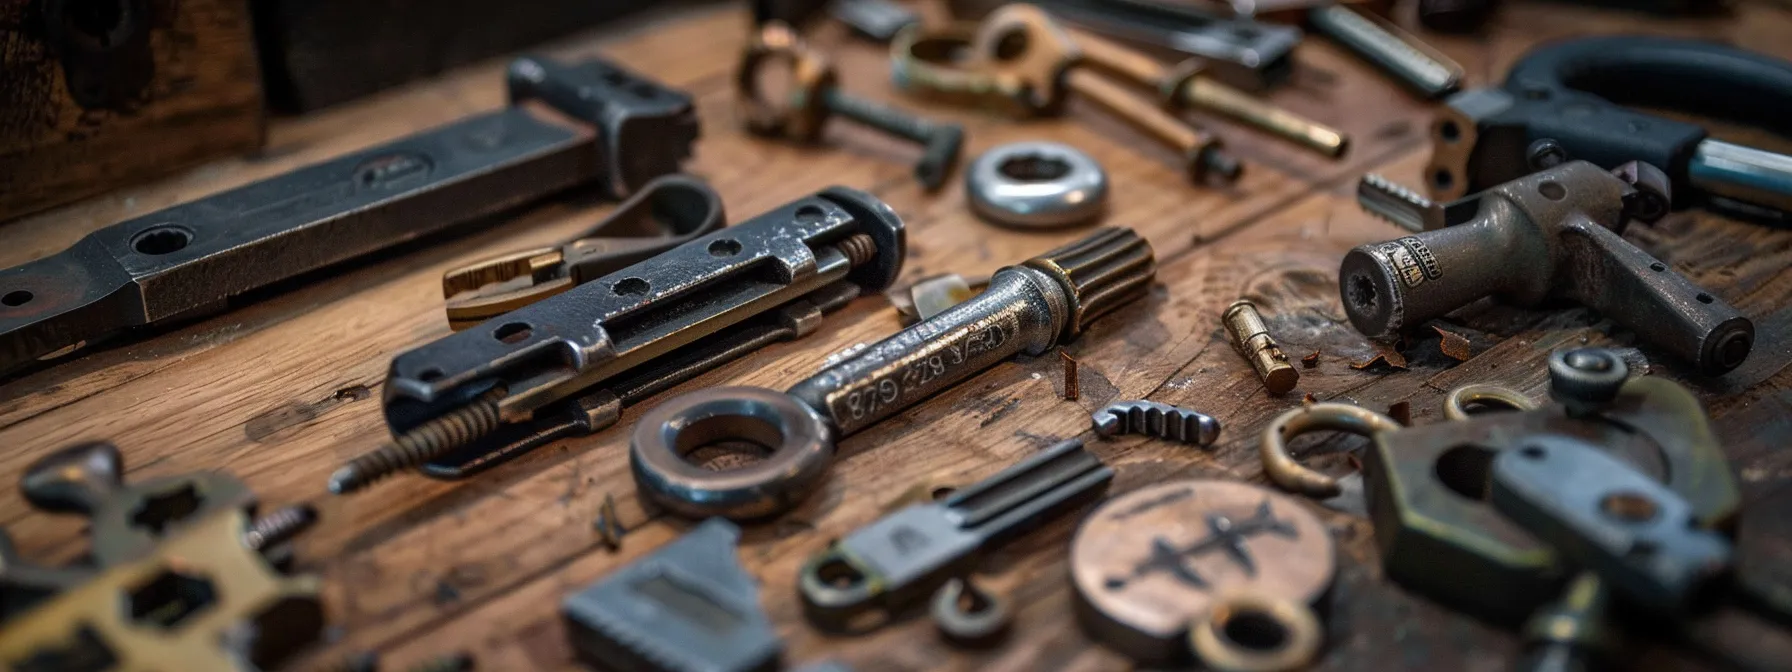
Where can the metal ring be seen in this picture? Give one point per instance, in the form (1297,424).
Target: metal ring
(801,446)
(1036,185)
(977,627)
(1456,405)
(1295,648)
(1290,475)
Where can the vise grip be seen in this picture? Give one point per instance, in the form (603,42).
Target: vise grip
(1571,92)
(595,123)
(1551,235)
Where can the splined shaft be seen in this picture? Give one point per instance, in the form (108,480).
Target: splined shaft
(426,442)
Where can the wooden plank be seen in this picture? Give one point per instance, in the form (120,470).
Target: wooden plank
(281,390)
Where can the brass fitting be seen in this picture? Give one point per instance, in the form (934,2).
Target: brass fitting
(1253,341)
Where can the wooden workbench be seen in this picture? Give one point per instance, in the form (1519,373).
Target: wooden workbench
(283,389)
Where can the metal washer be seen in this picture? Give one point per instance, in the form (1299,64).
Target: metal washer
(1073,188)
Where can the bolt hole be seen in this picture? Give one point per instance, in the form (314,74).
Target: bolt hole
(1012,45)
(164,509)
(1552,191)
(630,287)
(1464,470)
(838,574)
(161,240)
(1254,630)
(428,375)
(1442,178)
(512,333)
(1449,131)
(810,214)
(1362,293)
(16,298)
(1034,168)
(724,248)
(1532,452)
(1704,298)
(942,492)
(1629,507)
(1658,267)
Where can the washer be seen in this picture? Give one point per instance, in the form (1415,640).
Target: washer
(1036,185)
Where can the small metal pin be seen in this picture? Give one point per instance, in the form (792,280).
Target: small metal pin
(1252,339)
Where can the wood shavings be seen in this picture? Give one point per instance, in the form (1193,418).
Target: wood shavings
(1310,361)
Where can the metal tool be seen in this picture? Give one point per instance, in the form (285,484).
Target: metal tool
(1550,235)
(666,213)
(1429,487)
(1021,41)
(1603,514)
(1403,207)
(1155,419)
(1291,475)
(1248,54)
(905,556)
(569,364)
(932,295)
(1256,631)
(878,20)
(1251,338)
(1147,564)
(1572,91)
(1033,185)
(1028,308)
(1412,62)
(688,607)
(1183,86)
(607,127)
(801,112)
(970,617)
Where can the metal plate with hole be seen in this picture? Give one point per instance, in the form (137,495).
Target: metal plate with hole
(1147,564)
(1037,185)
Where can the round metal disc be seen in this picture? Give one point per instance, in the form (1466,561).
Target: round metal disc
(1147,563)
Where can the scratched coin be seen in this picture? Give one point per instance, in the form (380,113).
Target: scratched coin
(1147,563)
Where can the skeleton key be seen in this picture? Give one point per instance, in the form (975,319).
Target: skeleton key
(900,559)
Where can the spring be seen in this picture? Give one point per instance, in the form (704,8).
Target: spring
(427,442)
(279,527)
(858,249)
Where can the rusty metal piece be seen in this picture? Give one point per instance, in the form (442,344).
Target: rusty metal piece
(1296,630)
(814,97)
(1551,235)
(1251,337)
(1453,345)
(1456,404)
(200,599)
(1147,564)
(1071,390)
(1154,419)
(666,213)
(1430,484)
(1310,361)
(1385,353)
(1289,474)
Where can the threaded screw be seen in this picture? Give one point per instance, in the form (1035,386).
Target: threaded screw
(279,527)
(427,442)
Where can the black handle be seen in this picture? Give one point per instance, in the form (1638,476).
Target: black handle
(1707,79)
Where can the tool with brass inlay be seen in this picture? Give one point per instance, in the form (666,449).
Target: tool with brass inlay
(666,213)
(567,365)
(1028,28)
(1028,308)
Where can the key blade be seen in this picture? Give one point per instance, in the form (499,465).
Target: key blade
(997,507)
(1403,207)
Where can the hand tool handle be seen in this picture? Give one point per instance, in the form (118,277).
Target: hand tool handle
(1702,78)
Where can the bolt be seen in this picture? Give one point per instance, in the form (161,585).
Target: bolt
(940,140)
(279,527)
(1545,154)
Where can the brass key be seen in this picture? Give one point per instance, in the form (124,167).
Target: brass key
(1028,28)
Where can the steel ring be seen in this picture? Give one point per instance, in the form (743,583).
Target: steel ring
(1289,474)
(1036,185)
(978,627)
(801,446)
(1291,640)
(1456,405)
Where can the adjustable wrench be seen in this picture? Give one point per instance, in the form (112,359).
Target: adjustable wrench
(568,364)
(594,124)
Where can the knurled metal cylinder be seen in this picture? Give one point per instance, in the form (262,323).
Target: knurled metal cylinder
(1252,339)
(1105,270)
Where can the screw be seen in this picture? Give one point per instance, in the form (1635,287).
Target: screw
(428,441)
(942,141)
(608,524)
(279,527)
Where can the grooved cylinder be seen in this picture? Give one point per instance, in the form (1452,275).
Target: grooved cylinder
(1252,339)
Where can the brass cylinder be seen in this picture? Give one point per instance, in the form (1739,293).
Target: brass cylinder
(1253,341)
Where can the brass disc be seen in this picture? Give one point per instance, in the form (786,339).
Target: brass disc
(1147,563)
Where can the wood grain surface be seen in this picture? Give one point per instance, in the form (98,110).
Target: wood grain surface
(282,389)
